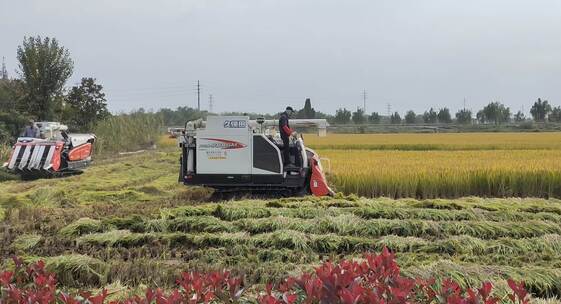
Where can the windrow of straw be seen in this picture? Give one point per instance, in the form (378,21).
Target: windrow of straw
(266,240)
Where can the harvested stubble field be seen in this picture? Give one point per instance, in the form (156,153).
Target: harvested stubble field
(126,223)
(444,165)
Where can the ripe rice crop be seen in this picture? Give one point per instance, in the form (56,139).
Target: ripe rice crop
(431,174)
(437,141)
(430,165)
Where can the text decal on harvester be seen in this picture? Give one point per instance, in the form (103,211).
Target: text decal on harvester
(236,124)
(217,143)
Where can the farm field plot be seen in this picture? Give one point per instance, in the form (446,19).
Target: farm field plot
(444,165)
(127,223)
(446,174)
(438,141)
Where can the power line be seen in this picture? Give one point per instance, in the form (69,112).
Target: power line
(147,93)
(142,90)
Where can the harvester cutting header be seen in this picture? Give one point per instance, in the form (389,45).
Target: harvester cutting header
(234,153)
(48,151)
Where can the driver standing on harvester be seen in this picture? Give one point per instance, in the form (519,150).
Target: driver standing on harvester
(286,132)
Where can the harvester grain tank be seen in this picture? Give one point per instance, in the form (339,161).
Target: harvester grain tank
(234,153)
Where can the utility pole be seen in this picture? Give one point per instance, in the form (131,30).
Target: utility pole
(198,95)
(4,71)
(364,100)
(389,109)
(464,103)
(210,103)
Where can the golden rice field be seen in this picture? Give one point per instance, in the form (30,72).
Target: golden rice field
(438,141)
(443,165)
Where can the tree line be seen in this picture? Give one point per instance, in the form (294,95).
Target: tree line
(493,113)
(39,92)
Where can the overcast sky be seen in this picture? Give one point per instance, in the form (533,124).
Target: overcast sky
(263,55)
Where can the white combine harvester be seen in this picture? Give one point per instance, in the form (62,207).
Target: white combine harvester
(55,153)
(234,153)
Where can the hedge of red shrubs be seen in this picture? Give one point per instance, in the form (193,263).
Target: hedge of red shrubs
(376,279)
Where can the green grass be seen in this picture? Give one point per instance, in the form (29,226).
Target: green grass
(5,150)
(127,132)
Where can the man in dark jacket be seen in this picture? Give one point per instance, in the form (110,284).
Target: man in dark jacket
(285,132)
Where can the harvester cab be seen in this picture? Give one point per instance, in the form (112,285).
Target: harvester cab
(234,153)
(54,154)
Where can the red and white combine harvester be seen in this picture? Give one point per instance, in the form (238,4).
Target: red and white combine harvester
(56,153)
(236,154)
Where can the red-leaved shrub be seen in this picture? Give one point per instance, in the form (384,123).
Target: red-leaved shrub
(376,280)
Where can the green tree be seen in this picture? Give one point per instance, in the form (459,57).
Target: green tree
(11,125)
(540,110)
(86,104)
(10,94)
(44,67)
(444,116)
(342,116)
(180,115)
(519,116)
(481,116)
(555,115)
(358,116)
(463,116)
(11,121)
(395,119)
(494,112)
(430,116)
(374,118)
(504,114)
(410,117)
(307,111)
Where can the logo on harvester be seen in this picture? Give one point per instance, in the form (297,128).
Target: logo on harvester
(217,143)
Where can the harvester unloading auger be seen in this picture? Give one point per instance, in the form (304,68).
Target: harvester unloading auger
(55,154)
(234,153)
